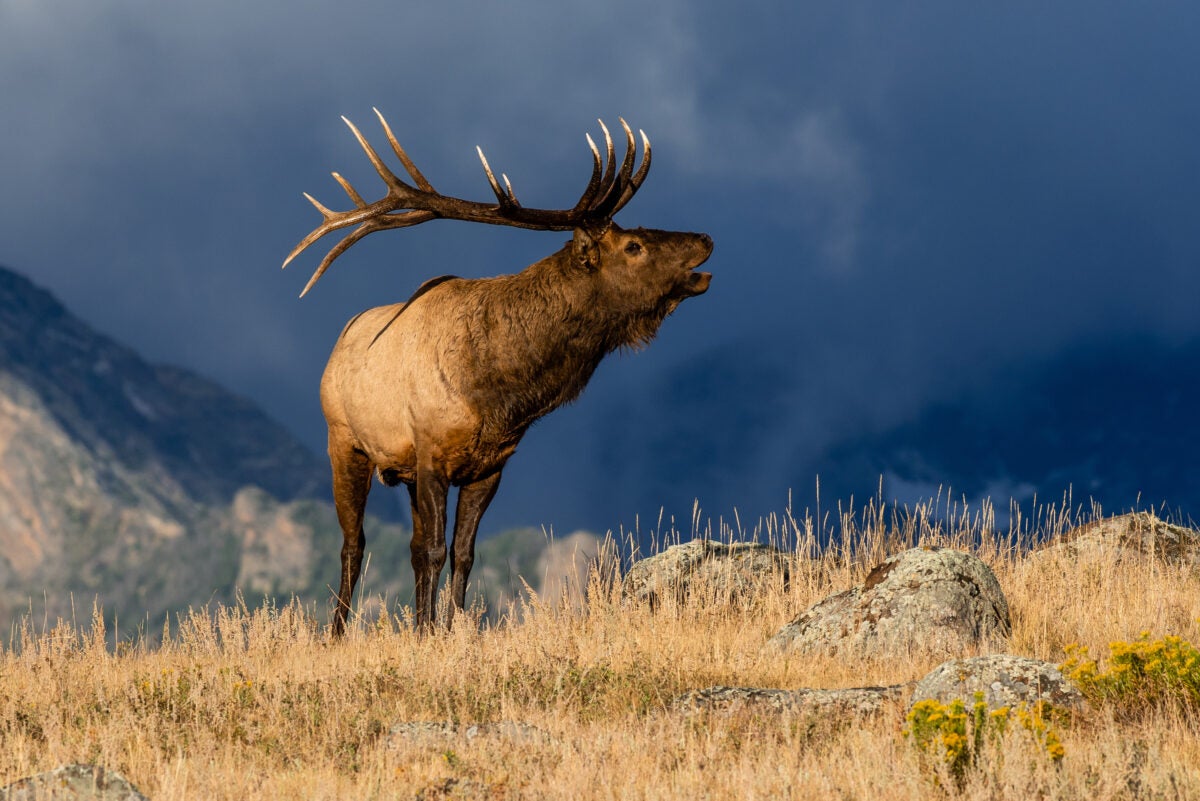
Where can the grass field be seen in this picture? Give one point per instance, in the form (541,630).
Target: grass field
(239,703)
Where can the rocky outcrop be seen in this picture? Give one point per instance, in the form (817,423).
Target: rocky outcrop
(1003,679)
(929,600)
(853,702)
(726,571)
(1134,535)
(73,783)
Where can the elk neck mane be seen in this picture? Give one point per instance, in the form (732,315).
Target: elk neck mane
(534,338)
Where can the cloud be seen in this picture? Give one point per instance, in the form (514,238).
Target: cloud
(828,176)
(901,199)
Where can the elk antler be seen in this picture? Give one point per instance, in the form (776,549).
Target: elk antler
(405,204)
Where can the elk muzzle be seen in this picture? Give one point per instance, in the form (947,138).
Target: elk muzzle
(697,282)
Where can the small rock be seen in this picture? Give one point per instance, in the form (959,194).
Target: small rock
(855,701)
(731,571)
(930,600)
(73,783)
(1003,679)
(456,787)
(422,730)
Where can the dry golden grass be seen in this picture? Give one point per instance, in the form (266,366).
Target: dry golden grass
(258,704)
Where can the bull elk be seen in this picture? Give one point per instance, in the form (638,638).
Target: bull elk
(438,391)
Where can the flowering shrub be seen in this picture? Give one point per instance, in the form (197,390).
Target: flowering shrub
(958,738)
(1141,674)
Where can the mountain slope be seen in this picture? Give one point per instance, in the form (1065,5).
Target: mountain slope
(145,416)
(121,480)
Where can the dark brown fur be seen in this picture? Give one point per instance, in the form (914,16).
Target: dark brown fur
(439,391)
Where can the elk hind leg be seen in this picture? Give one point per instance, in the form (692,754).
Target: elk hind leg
(351,483)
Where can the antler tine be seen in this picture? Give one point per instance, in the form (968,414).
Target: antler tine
(505,200)
(330,224)
(610,165)
(400,154)
(350,190)
(630,151)
(611,201)
(593,186)
(635,183)
(337,250)
(645,168)
(395,185)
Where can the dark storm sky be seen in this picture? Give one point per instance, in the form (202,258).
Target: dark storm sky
(905,199)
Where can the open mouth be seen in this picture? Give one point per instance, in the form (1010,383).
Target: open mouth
(697,283)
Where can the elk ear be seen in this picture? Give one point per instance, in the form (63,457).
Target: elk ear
(585,249)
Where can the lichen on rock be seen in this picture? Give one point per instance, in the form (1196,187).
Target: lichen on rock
(930,600)
(728,571)
(1002,679)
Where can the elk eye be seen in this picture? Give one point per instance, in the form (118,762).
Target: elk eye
(633,248)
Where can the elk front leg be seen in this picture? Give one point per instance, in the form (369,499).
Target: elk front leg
(428,496)
(351,483)
(473,500)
